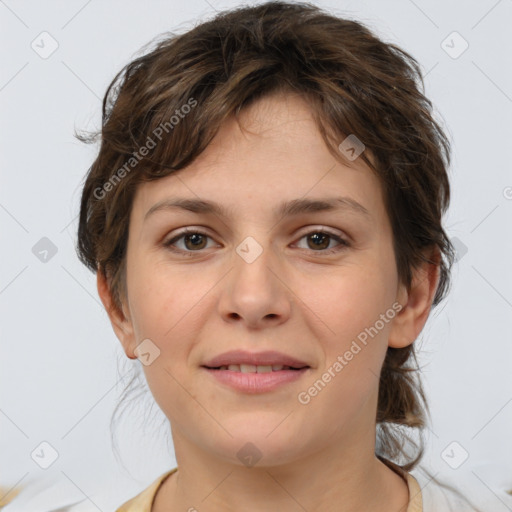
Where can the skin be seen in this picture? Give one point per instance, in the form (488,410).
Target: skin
(293,298)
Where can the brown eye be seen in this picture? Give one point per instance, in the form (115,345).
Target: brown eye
(319,241)
(193,241)
(196,240)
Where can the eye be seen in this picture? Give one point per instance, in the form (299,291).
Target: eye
(319,241)
(193,240)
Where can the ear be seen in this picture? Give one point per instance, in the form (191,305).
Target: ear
(416,303)
(120,320)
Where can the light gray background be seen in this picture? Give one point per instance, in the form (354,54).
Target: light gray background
(59,376)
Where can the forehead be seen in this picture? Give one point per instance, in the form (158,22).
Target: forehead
(274,154)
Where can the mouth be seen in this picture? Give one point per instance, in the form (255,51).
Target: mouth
(254,362)
(251,379)
(251,373)
(251,368)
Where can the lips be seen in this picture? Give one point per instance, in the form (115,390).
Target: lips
(251,362)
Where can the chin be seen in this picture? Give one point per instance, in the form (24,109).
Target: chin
(259,442)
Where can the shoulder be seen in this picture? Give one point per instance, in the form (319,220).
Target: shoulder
(51,492)
(143,501)
(466,494)
(415,496)
(425,496)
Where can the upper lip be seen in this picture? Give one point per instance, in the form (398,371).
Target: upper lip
(255,358)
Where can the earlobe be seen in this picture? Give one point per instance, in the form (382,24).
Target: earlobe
(416,303)
(120,320)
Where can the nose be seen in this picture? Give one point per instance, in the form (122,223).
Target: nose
(255,292)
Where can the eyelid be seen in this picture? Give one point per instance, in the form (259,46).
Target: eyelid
(319,228)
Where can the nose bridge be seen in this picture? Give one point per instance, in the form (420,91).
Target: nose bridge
(254,262)
(255,293)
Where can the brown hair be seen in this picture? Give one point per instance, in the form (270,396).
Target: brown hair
(182,90)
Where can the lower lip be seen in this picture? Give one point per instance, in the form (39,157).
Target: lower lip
(256,382)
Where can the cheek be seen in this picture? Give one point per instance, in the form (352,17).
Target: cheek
(350,301)
(347,381)
(163,298)
(168,308)
(357,311)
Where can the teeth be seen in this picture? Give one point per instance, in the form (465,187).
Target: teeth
(263,369)
(251,368)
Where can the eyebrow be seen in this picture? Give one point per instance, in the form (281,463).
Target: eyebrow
(286,209)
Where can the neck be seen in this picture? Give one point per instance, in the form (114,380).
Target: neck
(322,481)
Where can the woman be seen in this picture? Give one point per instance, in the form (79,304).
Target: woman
(264,217)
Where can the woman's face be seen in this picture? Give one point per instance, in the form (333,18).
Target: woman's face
(316,284)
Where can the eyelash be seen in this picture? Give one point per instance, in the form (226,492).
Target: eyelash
(343,243)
